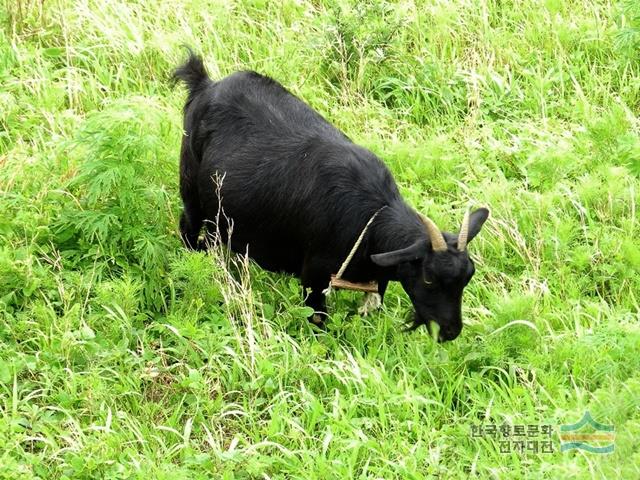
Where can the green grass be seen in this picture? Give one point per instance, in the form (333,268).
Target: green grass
(124,356)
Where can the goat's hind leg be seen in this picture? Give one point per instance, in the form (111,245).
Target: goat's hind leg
(190,226)
(191,218)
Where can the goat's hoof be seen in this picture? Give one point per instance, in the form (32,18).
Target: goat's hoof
(372,301)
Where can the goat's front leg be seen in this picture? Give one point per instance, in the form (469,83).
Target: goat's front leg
(382,287)
(315,280)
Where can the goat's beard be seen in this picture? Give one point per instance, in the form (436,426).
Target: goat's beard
(411,325)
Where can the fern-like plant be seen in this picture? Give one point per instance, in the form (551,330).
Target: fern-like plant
(627,38)
(121,209)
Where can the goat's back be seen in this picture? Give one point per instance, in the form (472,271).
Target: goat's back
(291,182)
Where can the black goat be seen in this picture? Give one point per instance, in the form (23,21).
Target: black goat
(299,193)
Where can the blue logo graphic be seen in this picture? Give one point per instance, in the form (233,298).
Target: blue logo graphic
(596,437)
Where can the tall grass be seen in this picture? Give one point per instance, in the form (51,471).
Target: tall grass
(124,356)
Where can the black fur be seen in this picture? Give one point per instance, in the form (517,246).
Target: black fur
(298,193)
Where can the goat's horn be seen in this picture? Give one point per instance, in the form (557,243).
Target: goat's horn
(464,232)
(435,235)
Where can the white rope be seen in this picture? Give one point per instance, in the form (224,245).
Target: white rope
(345,264)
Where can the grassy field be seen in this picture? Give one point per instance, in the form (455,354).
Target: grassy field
(124,356)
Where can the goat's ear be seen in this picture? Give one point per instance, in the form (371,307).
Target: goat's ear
(476,220)
(408,254)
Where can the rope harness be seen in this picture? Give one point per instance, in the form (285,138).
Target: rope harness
(336,280)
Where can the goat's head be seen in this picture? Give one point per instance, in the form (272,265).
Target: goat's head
(434,271)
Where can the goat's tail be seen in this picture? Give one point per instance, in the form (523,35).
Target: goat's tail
(192,73)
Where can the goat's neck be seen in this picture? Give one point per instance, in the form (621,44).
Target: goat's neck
(396,227)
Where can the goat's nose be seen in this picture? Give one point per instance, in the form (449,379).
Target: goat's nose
(449,332)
